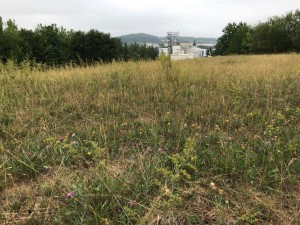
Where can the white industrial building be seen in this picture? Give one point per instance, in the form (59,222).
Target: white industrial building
(180,51)
(184,52)
(196,52)
(163,51)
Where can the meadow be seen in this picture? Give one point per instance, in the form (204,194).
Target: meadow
(203,141)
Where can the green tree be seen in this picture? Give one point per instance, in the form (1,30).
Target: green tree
(77,47)
(10,41)
(294,31)
(278,34)
(1,26)
(1,38)
(235,39)
(261,42)
(125,53)
(209,51)
(28,43)
(134,52)
(152,53)
(100,46)
(142,52)
(53,45)
(279,37)
(118,48)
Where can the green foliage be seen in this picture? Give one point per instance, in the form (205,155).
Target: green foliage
(235,40)
(9,41)
(277,35)
(137,52)
(181,167)
(53,46)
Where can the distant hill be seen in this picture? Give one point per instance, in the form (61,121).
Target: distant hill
(139,38)
(148,38)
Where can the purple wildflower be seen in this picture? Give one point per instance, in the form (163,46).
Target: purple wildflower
(69,195)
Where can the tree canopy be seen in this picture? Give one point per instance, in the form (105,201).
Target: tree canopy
(280,34)
(53,45)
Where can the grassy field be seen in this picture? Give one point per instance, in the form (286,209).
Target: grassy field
(204,141)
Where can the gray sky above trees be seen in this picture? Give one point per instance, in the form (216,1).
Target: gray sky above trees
(198,18)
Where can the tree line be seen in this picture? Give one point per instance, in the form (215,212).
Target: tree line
(53,45)
(279,34)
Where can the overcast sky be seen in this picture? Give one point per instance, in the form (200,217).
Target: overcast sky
(197,18)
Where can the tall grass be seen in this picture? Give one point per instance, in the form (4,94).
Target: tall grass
(212,140)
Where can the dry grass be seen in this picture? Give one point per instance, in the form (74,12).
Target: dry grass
(140,143)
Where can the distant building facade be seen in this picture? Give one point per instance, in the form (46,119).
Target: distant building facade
(180,51)
(163,51)
(184,51)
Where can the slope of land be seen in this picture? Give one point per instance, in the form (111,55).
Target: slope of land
(147,38)
(204,141)
(140,38)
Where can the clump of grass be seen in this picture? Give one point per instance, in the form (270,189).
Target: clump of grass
(212,140)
